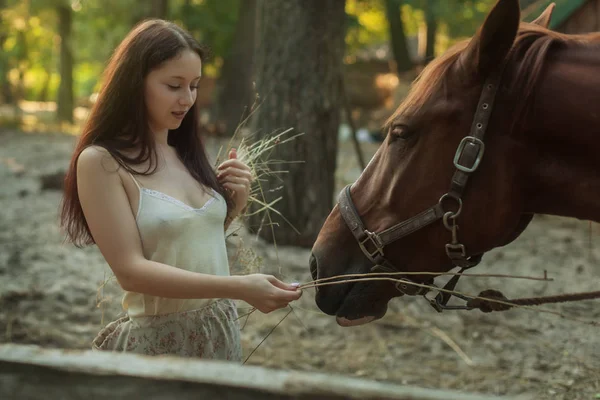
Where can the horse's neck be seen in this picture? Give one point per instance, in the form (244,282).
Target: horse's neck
(564,174)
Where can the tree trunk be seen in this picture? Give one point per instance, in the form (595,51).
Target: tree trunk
(43,95)
(22,63)
(298,75)
(237,93)
(145,9)
(431,21)
(159,9)
(6,95)
(397,36)
(65,90)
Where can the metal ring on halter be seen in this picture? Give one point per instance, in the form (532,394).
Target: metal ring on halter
(458,201)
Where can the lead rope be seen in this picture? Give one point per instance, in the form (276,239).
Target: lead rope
(481,302)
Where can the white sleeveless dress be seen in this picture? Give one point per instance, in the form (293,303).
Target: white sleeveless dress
(181,236)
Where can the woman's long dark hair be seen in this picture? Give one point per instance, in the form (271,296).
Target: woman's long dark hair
(118,120)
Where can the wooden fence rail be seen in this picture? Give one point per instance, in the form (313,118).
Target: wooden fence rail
(35,373)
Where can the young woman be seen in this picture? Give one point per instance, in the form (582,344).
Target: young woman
(141,188)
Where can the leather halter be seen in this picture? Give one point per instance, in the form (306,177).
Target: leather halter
(466,161)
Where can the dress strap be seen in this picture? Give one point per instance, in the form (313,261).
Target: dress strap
(135,180)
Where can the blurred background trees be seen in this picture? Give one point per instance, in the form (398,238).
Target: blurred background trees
(55,50)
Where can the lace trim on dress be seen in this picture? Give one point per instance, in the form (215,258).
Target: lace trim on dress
(170,199)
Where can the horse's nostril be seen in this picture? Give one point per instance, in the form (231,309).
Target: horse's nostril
(313,266)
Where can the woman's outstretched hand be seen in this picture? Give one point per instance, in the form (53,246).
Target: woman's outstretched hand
(267,293)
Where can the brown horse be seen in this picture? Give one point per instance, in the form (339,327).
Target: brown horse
(535,95)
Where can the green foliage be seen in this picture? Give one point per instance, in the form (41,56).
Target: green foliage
(30,50)
(457,19)
(99,26)
(461,17)
(366,24)
(211,22)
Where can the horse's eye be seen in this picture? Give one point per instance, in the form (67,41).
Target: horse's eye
(400,131)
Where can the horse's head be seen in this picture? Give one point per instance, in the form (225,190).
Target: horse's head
(417,165)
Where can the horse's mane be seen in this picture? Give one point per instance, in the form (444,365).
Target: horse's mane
(530,49)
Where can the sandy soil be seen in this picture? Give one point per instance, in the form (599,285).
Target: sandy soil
(50,295)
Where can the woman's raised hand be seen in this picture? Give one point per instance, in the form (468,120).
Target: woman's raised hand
(236,177)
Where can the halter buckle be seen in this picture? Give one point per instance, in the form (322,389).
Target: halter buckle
(374,239)
(461,147)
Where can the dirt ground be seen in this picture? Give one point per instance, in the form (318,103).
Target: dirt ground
(50,295)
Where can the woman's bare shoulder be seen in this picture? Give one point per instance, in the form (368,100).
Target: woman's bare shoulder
(97,160)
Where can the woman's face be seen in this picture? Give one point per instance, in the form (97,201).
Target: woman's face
(171,90)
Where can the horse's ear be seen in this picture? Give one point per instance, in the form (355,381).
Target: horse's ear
(495,38)
(544,19)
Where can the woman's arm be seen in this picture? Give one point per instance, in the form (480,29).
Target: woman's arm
(113,227)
